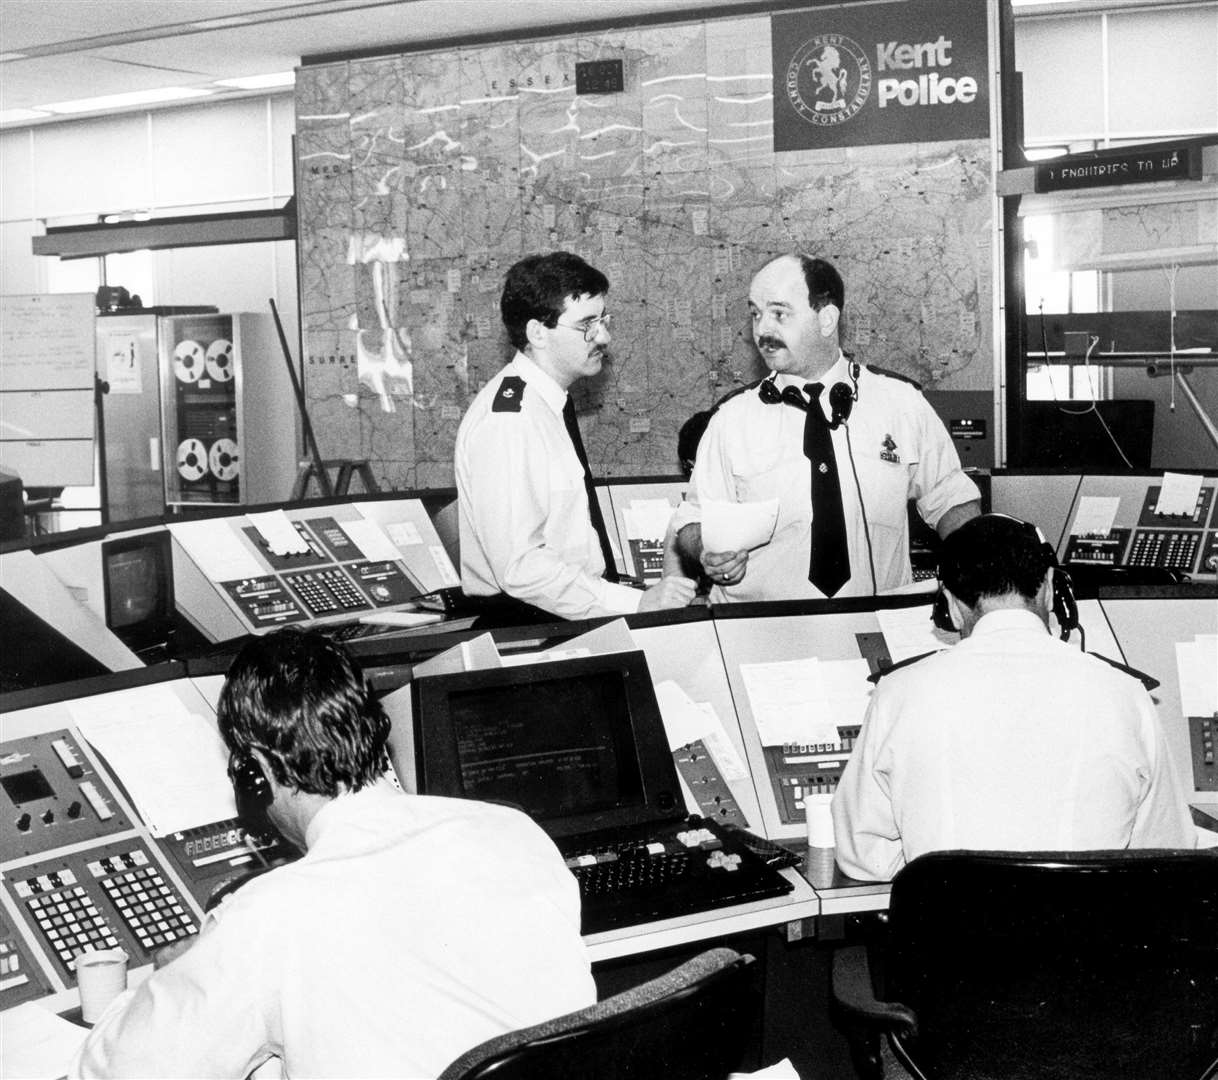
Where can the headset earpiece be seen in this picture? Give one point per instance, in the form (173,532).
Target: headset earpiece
(841,401)
(827,318)
(941,614)
(251,788)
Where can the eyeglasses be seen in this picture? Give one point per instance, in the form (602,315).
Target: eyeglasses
(589,328)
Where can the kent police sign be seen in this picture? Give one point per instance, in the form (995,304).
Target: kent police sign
(880,73)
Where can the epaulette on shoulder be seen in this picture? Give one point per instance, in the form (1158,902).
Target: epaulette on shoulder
(894,375)
(877,676)
(510,395)
(736,391)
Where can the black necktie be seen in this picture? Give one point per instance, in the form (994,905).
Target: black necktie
(829,562)
(594,506)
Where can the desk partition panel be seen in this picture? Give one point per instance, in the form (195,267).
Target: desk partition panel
(788,770)
(714,767)
(1141,538)
(1150,628)
(642,523)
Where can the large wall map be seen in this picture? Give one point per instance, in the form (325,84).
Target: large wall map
(422,177)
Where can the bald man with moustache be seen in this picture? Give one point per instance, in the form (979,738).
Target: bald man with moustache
(841,445)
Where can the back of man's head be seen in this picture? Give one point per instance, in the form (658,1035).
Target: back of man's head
(994,556)
(300,699)
(538,286)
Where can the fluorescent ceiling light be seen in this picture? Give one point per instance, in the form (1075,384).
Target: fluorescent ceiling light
(260,82)
(15,116)
(119,101)
(11,56)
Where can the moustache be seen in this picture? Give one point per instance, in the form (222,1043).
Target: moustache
(768,341)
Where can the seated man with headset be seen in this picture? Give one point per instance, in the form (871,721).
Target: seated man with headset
(412,928)
(842,464)
(1011,740)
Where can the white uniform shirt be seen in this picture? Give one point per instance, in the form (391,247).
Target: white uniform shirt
(1009,741)
(524,522)
(754,451)
(414,928)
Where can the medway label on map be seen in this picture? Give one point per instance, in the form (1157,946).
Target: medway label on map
(884,73)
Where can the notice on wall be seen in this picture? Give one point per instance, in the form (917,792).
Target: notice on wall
(46,342)
(47,360)
(880,73)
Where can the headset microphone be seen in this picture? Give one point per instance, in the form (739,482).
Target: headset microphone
(841,401)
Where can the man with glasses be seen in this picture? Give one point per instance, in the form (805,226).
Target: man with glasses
(530,527)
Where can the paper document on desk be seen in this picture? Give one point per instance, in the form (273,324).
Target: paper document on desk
(910,632)
(1095,515)
(1197,668)
(733,526)
(1179,494)
(647,519)
(687,721)
(279,533)
(36,1043)
(216,549)
(477,654)
(172,762)
(789,703)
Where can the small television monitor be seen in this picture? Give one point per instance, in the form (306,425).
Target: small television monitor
(137,577)
(579,745)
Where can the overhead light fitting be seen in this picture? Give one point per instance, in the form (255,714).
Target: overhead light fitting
(260,82)
(121,101)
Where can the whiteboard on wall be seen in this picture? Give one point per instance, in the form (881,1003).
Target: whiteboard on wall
(47,363)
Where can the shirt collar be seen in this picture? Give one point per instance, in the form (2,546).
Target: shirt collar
(1008,619)
(551,393)
(837,373)
(349,806)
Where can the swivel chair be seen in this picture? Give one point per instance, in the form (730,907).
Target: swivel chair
(691,1024)
(1039,965)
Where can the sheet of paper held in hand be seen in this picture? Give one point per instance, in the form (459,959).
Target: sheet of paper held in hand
(733,526)
(171,761)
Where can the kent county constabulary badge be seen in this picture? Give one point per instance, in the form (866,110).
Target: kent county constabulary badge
(889,451)
(828,79)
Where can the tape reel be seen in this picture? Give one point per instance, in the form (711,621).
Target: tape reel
(219,360)
(189,361)
(224,459)
(192,459)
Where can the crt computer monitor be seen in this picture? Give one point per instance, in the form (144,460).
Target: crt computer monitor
(137,576)
(579,745)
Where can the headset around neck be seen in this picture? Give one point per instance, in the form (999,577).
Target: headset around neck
(841,396)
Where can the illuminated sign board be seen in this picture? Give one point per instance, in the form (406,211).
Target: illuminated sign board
(880,73)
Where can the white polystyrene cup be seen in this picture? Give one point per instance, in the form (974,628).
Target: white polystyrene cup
(820,820)
(101,975)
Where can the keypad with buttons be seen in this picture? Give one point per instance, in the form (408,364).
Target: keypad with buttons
(326,592)
(67,915)
(143,899)
(113,896)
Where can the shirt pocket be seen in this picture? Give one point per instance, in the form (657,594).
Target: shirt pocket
(786,479)
(884,488)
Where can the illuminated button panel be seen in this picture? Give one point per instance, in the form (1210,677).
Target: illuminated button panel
(264,601)
(51,796)
(20,978)
(327,592)
(1171,549)
(1203,734)
(112,895)
(797,771)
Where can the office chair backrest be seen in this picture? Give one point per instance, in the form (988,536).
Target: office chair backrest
(693,1023)
(1090,964)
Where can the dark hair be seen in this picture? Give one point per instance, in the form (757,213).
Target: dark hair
(994,555)
(824,283)
(538,286)
(299,698)
(689,437)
